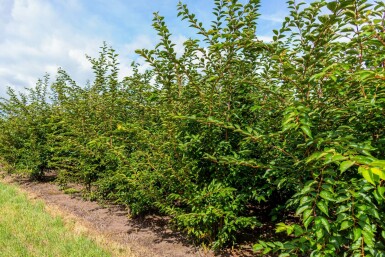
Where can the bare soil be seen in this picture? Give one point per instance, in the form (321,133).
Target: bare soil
(147,236)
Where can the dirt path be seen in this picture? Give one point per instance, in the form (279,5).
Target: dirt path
(147,236)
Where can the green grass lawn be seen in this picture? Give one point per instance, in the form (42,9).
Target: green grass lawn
(26,229)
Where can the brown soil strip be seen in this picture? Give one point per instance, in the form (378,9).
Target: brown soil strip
(111,226)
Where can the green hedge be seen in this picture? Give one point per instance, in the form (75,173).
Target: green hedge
(232,130)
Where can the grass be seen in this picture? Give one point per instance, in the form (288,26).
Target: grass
(26,229)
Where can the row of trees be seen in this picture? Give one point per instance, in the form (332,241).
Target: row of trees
(232,131)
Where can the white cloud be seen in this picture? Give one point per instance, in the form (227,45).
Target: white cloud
(5,13)
(277,17)
(127,54)
(140,42)
(35,40)
(178,41)
(143,42)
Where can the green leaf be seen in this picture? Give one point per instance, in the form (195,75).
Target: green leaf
(378,197)
(367,174)
(281,227)
(346,224)
(356,233)
(298,230)
(314,156)
(341,198)
(212,78)
(322,205)
(363,159)
(378,172)
(381,191)
(326,224)
(374,212)
(302,209)
(305,199)
(368,238)
(307,131)
(332,6)
(267,250)
(338,157)
(365,74)
(327,195)
(379,163)
(346,165)
(356,246)
(342,208)
(289,230)
(258,247)
(306,214)
(307,222)
(319,233)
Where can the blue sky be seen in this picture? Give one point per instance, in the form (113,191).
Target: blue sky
(39,36)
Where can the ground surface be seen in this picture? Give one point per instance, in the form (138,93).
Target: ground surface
(148,236)
(28,230)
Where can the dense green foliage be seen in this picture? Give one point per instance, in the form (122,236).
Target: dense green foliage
(231,130)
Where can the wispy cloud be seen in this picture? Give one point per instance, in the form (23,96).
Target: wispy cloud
(35,41)
(277,17)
